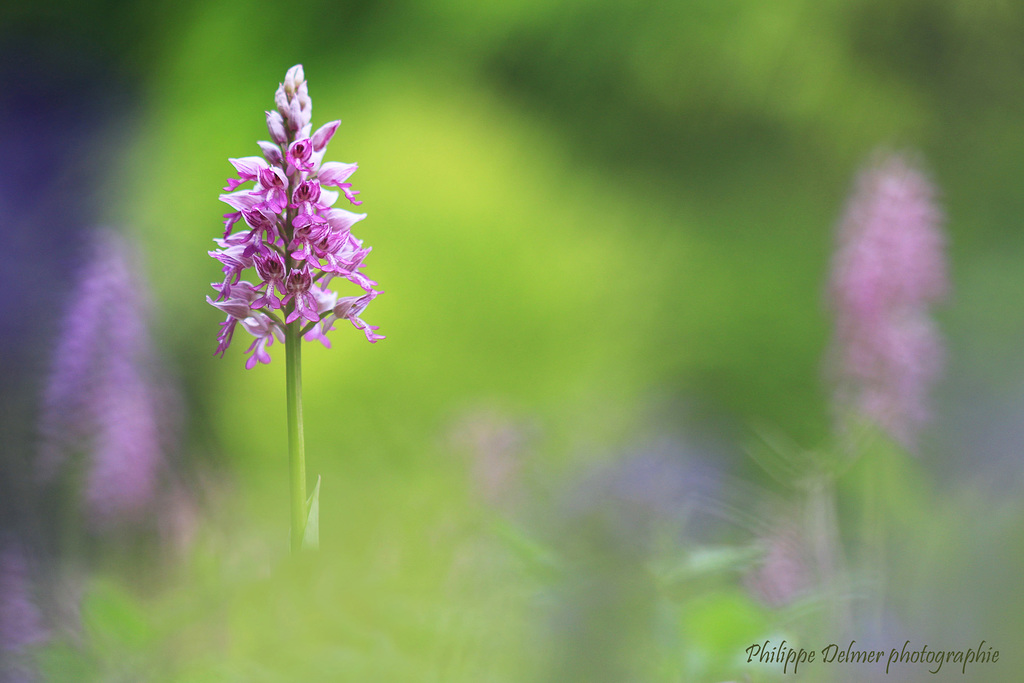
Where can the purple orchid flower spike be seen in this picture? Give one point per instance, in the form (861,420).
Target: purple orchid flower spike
(293,238)
(888,271)
(103,402)
(295,243)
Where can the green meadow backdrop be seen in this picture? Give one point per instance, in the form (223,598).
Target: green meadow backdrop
(602,228)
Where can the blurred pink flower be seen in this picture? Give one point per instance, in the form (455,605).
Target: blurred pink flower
(784,573)
(888,271)
(102,401)
(494,444)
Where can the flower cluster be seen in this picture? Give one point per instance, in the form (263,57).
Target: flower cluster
(104,399)
(290,236)
(889,269)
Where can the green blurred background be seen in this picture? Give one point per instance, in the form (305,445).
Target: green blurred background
(599,226)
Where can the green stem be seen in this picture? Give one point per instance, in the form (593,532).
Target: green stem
(296,442)
(876,477)
(827,548)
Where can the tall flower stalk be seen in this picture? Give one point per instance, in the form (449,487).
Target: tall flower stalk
(102,400)
(296,244)
(888,272)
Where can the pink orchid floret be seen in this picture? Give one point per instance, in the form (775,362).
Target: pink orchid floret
(265,331)
(285,230)
(350,308)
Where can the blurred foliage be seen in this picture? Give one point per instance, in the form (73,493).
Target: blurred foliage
(612,220)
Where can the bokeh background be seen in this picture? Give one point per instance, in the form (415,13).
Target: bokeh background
(603,230)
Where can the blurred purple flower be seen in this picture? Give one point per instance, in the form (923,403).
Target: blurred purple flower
(889,269)
(608,525)
(624,504)
(21,624)
(101,398)
(126,453)
(494,444)
(784,572)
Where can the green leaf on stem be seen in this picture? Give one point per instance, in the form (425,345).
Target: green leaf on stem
(311,534)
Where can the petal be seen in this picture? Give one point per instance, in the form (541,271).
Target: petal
(328,197)
(315,159)
(293,78)
(324,134)
(275,124)
(334,173)
(235,308)
(241,200)
(341,220)
(350,194)
(271,152)
(317,333)
(249,167)
(294,114)
(281,99)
